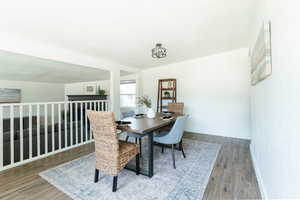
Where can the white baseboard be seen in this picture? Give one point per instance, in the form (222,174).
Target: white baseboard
(261,185)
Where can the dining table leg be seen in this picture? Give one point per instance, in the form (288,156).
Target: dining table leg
(150,163)
(150,171)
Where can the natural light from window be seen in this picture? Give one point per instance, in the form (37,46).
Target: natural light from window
(128,93)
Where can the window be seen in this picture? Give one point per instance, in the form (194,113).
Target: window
(128,93)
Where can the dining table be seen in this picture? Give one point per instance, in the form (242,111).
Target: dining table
(145,127)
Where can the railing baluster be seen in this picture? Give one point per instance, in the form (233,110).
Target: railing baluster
(21,134)
(30,131)
(1,137)
(59,126)
(86,121)
(90,132)
(46,127)
(52,127)
(38,131)
(76,123)
(98,106)
(81,122)
(12,149)
(71,123)
(66,127)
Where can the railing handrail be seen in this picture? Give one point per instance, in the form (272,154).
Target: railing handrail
(49,102)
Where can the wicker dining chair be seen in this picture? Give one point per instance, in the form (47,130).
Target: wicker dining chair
(176,107)
(112,155)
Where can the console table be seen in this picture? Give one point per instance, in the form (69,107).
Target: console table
(86,97)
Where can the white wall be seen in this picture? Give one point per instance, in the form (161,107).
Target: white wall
(275,106)
(215,91)
(78,88)
(36,91)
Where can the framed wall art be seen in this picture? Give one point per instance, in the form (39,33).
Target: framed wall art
(261,55)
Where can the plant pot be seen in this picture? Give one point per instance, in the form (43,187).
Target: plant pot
(150,113)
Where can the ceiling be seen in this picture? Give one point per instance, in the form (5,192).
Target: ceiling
(126,30)
(20,67)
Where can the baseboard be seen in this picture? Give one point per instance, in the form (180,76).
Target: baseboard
(220,135)
(219,138)
(261,184)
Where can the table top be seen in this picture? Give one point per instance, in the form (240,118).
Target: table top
(145,125)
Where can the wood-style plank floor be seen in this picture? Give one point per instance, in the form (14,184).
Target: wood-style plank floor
(233,176)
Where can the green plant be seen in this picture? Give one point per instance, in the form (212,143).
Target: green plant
(144,100)
(101,92)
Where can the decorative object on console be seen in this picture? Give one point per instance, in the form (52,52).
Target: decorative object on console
(90,89)
(101,92)
(10,95)
(261,55)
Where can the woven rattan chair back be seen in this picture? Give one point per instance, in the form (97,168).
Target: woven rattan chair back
(176,107)
(106,141)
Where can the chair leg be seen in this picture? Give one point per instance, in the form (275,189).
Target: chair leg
(140,142)
(96,178)
(137,164)
(127,137)
(181,148)
(173,156)
(115,184)
(162,148)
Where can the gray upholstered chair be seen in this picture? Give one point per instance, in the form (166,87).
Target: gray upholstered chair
(173,137)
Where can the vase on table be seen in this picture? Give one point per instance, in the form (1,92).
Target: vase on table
(150,113)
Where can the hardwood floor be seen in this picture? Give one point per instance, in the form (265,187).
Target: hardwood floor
(233,176)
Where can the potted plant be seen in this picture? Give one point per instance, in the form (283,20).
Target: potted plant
(101,92)
(146,101)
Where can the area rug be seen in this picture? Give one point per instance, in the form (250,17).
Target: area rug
(187,181)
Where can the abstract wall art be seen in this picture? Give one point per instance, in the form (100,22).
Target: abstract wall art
(261,55)
(10,95)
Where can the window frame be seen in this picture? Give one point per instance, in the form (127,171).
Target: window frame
(128,94)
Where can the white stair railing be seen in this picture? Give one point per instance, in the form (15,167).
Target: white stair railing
(30,131)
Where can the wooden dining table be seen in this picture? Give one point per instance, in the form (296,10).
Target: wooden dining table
(145,127)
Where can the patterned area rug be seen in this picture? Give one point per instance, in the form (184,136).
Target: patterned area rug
(187,181)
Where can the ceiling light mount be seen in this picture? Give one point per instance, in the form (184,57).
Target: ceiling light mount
(159,51)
